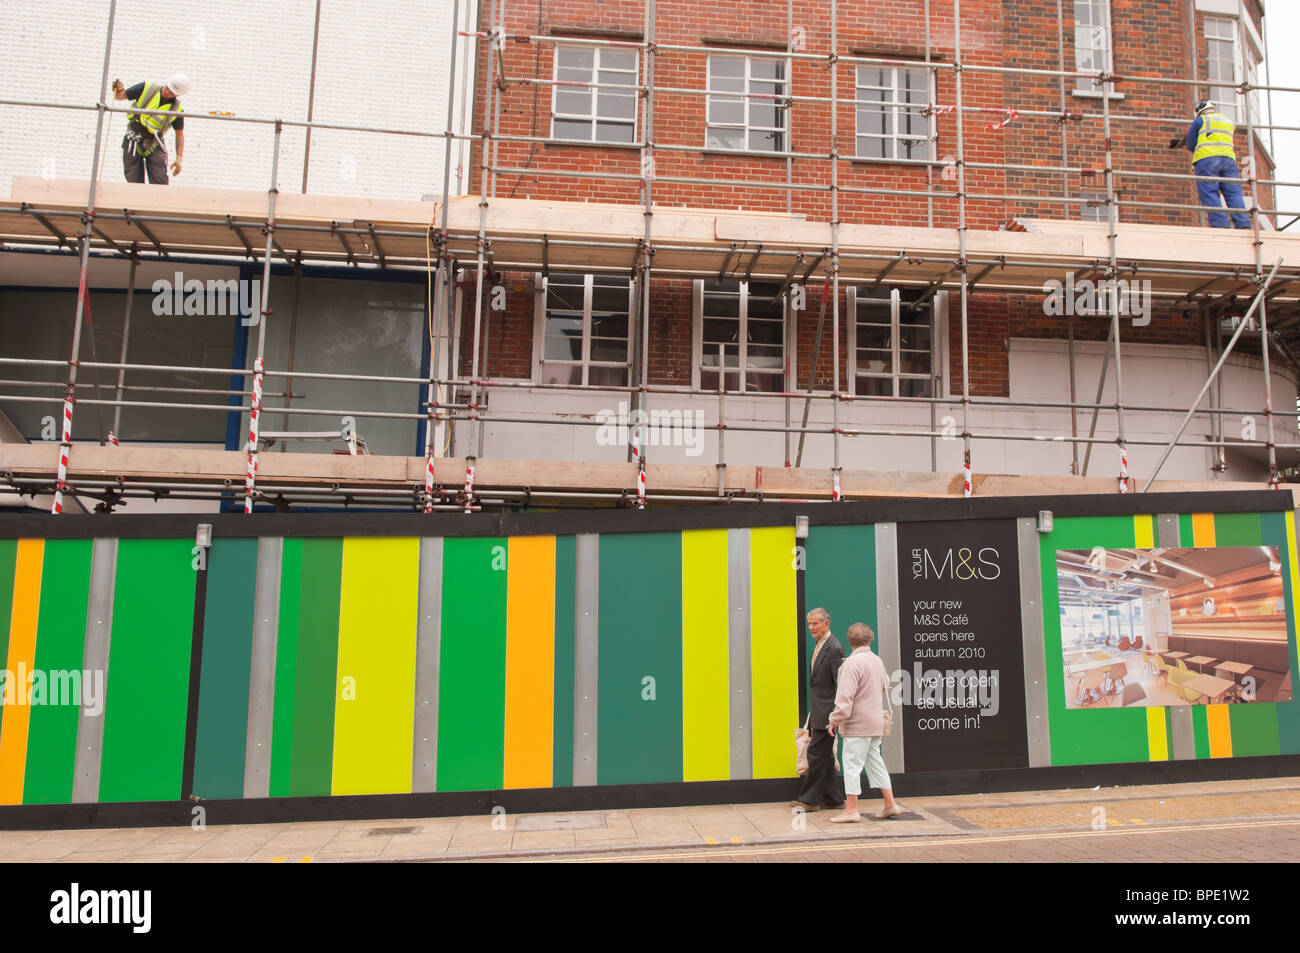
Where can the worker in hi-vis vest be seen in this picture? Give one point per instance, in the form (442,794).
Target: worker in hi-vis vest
(1209,140)
(142,147)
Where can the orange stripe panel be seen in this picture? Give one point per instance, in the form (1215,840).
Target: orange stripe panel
(1202,529)
(20,664)
(530,662)
(1217,719)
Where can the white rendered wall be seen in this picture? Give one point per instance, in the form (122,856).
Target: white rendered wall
(380,63)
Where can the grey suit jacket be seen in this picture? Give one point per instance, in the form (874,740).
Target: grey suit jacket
(822,682)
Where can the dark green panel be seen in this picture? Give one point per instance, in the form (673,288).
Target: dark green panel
(1200,731)
(1254,729)
(472,671)
(317,668)
(1288,713)
(639,741)
(1085,736)
(148,671)
(8,561)
(60,645)
(565,569)
(286,668)
(841,578)
(227,657)
(1237,529)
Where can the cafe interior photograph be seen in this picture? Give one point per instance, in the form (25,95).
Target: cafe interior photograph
(1163,627)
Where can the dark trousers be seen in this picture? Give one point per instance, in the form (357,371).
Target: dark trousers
(135,167)
(821,784)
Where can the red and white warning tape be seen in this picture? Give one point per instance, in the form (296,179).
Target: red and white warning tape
(112,439)
(1012,116)
(254,413)
(634,435)
(640,488)
(935,110)
(1123,468)
(428,485)
(469,484)
(836,496)
(63,458)
(965,479)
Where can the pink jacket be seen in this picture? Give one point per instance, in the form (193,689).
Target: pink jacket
(859,701)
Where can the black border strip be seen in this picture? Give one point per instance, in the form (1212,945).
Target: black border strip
(655,519)
(196,678)
(621,797)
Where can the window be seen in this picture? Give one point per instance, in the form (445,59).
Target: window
(1223,69)
(1092,207)
(1091,42)
(891,344)
(583,330)
(747,319)
(746,108)
(890,101)
(587,114)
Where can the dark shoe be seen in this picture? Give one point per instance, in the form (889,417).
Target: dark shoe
(808,808)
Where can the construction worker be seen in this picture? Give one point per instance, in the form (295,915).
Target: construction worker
(1209,140)
(142,147)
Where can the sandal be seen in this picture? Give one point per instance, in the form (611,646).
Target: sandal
(893,812)
(846,819)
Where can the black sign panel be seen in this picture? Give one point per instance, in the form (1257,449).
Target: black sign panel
(963,685)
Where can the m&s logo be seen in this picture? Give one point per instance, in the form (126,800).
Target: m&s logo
(962,564)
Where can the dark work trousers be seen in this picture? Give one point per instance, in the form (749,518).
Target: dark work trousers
(134,166)
(821,784)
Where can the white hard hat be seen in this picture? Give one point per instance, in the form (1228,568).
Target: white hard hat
(1204,105)
(178,83)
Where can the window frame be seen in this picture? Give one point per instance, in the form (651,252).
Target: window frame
(1242,56)
(896,108)
(540,314)
(594,119)
(784,106)
(938,352)
(787,368)
(1083,85)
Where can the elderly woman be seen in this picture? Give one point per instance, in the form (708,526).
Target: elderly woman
(860,701)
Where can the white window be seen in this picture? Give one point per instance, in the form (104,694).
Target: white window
(747,106)
(747,320)
(1091,43)
(1223,69)
(1092,207)
(892,344)
(603,107)
(581,332)
(890,101)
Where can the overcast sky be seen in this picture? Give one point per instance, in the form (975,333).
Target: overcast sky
(1284,67)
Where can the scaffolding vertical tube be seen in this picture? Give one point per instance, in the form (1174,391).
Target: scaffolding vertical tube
(835,250)
(255,408)
(967,486)
(126,338)
(311,101)
(647,252)
(65,444)
(485,161)
(1107,82)
(722,418)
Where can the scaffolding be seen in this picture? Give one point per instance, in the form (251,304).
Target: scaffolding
(833,252)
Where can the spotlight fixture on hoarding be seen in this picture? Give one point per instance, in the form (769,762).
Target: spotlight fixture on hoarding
(801,527)
(1044,521)
(203,535)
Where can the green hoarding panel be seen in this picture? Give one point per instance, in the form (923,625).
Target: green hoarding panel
(472,673)
(286,668)
(8,560)
(148,671)
(1274,529)
(840,578)
(639,693)
(58,689)
(1237,529)
(317,667)
(227,656)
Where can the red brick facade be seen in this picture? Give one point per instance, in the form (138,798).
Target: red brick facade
(1151,38)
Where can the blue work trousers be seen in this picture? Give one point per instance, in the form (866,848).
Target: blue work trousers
(1222,167)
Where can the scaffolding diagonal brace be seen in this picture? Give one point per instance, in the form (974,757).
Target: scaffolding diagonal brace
(239,232)
(45,222)
(144,230)
(342,240)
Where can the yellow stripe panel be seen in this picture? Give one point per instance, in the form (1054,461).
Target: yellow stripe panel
(21,662)
(1157,736)
(706,731)
(773,647)
(374,728)
(530,662)
(1216,718)
(1144,536)
(1202,529)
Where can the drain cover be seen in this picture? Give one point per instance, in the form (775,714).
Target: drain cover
(560,822)
(388,831)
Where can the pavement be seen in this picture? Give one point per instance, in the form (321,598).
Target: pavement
(946,825)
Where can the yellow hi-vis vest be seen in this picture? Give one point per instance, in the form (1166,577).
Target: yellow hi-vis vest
(151,98)
(1215,138)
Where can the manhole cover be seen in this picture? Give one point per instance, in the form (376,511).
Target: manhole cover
(560,822)
(388,831)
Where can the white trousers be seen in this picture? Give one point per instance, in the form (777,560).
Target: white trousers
(860,753)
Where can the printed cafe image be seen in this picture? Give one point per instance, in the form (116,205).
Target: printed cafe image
(1163,627)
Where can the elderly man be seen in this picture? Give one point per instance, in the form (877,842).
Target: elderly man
(142,147)
(860,702)
(822,787)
